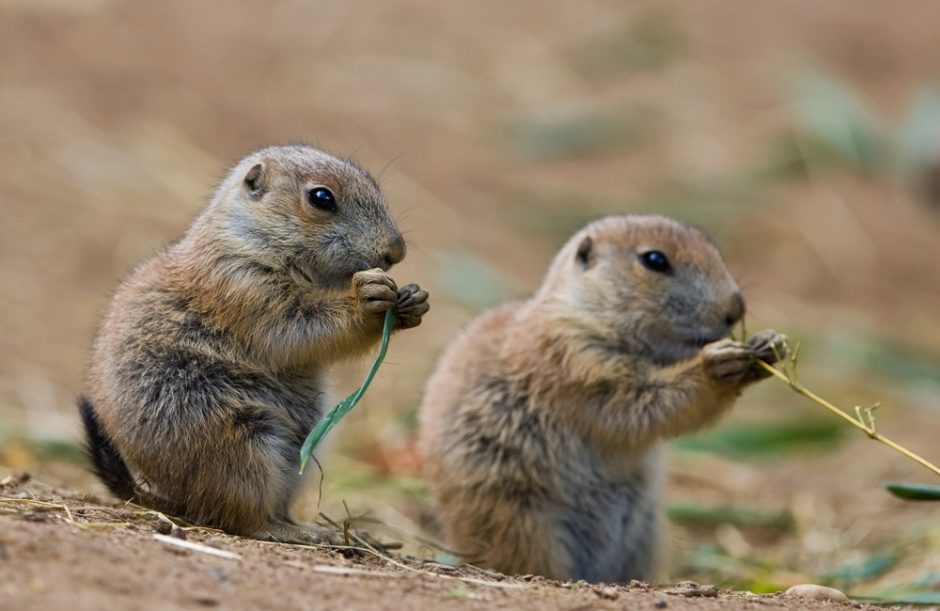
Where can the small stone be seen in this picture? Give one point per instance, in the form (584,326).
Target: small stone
(661,602)
(207,601)
(692,589)
(815,592)
(607,592)
(164,528)
(217,542)
(15,478)
(35,516)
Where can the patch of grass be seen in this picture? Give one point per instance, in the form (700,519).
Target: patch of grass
(56,449)
(710,562)
(923,590)
(21,451)
(354,476)
(764,439)
(894,360)
(918,138)
(911,597)
(838,120)
(865,570)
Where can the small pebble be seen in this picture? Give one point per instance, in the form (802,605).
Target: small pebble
(660,602)
(219,542)
(207,601)
(692,589)
(164,528)
(607,592)
(815,592)
(34,516)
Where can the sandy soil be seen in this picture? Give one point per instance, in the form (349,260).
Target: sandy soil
(63,549)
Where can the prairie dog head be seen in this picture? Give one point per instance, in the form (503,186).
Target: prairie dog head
(301,207)
(646,284)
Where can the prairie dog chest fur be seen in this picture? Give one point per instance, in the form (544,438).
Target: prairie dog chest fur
(212,362)
(541,426)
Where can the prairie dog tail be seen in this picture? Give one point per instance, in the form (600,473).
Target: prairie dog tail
(106,462)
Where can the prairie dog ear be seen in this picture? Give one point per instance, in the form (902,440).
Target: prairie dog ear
(585,254)
(255,181)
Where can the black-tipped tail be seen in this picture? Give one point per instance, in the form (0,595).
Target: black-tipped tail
(106,461)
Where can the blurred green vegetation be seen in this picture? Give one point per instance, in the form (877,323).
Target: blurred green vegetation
(648,41)
(579,133)
(471,280)
(693,514)
(914,492)
(767,438)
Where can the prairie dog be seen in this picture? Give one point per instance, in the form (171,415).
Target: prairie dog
(210,367)
(540,428)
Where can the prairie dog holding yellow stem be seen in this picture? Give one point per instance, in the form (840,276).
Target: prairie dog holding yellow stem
(211,365)
(541,425)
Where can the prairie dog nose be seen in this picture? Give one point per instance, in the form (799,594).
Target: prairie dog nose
(735,311)
(395,253)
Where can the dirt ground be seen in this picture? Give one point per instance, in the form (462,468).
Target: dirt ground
(804,136)
(61,549)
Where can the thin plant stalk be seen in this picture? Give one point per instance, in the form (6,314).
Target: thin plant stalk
(342,408)
(857,423)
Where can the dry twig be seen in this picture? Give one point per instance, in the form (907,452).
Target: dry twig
(864,421)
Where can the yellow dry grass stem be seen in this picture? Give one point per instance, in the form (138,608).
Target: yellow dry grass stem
(869,429)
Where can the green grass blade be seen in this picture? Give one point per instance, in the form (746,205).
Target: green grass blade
(914,492)
(903,598)
(342,408)
(747,441)
(871,567)
(698,515)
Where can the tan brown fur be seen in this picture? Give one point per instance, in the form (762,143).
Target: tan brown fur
(540,428)
(211,365)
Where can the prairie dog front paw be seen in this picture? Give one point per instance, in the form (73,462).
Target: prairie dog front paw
(375,289)
(727,361)
(732,362)
(412,304)
(767,346)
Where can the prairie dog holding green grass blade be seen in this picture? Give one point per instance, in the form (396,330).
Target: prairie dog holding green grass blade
(540,427)
(211,365)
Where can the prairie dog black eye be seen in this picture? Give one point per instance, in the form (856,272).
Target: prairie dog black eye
(655,261)
(322,198)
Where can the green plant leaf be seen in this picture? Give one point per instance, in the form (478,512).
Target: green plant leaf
(869,568)
(342,408)
(919,135)
(762,439)
(838,119)
(729,514)
(471,280)
(903,598)
(914,492)
(574,133)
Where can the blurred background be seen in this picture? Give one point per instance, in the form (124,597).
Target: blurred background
(804,136)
